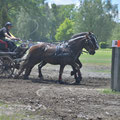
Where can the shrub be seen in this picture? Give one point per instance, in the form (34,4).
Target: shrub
(103,44)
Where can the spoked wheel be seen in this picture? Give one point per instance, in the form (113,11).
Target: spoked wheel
(6,67)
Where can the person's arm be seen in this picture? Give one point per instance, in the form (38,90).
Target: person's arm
(8,36)
(11,37)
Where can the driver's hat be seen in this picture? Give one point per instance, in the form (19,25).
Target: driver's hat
(8,24)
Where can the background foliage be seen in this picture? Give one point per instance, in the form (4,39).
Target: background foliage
(36,20)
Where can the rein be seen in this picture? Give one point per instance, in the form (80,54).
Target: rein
(85,51)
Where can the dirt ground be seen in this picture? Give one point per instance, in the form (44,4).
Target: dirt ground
(46,99)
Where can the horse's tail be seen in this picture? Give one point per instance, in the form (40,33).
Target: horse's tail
(32,57)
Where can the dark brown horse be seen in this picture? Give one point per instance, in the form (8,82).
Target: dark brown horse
(62,54)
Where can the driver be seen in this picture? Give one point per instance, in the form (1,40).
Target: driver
(7,37)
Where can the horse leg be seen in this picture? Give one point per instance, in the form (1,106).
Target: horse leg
(27,71)
(80,65)
(76,67)
(40,67)
(60,73)
(74,72)
(79,75)
(23,66)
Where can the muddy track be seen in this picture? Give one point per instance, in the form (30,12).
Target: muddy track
(48,100)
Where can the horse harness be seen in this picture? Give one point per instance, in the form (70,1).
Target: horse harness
(61,50)
(64,50)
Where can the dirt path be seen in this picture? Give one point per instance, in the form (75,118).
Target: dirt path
(47,100)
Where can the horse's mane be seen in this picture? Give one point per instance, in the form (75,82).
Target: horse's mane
(79,34)
(73,43)
(76,38)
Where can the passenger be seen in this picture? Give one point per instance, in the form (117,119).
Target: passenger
(7,37)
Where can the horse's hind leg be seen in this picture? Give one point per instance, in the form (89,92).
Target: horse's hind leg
(28,70)
(60,73)
(40,67)
(23,66)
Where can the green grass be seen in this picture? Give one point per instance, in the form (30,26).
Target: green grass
(2,103)
(11,117)
(109,91)
(101,57)
(99,70)
(15,116)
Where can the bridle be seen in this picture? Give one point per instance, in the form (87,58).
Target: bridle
(92,42)
(87,41)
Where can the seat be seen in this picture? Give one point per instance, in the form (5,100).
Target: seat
(3,45)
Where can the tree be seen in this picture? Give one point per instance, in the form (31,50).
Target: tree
(3,17)
(58,14)
(65,30)
(22,24)
(97,17)
(34,19)
(115,33)
(32,26)
(10,8)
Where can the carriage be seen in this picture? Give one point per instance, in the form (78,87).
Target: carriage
(10,61)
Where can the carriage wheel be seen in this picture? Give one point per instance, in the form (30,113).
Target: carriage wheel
(6,67)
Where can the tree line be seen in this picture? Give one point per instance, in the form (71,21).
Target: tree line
(36,20)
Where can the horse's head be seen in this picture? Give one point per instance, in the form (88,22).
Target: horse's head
(84,40)
(91,43)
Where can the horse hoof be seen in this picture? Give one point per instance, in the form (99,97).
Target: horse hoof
(15,77)
(76,83)
(41,78)
(25,77)
(61,82)
(78,80)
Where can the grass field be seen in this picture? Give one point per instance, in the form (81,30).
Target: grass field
(102,57)
(109,91)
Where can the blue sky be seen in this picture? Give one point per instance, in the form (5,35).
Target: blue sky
(116,2)
(59,2)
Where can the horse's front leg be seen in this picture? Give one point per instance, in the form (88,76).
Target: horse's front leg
(79,63)
(78,78)
(74,72)
(79,75)
(60,73)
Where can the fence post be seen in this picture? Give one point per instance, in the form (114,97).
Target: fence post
(115,69)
